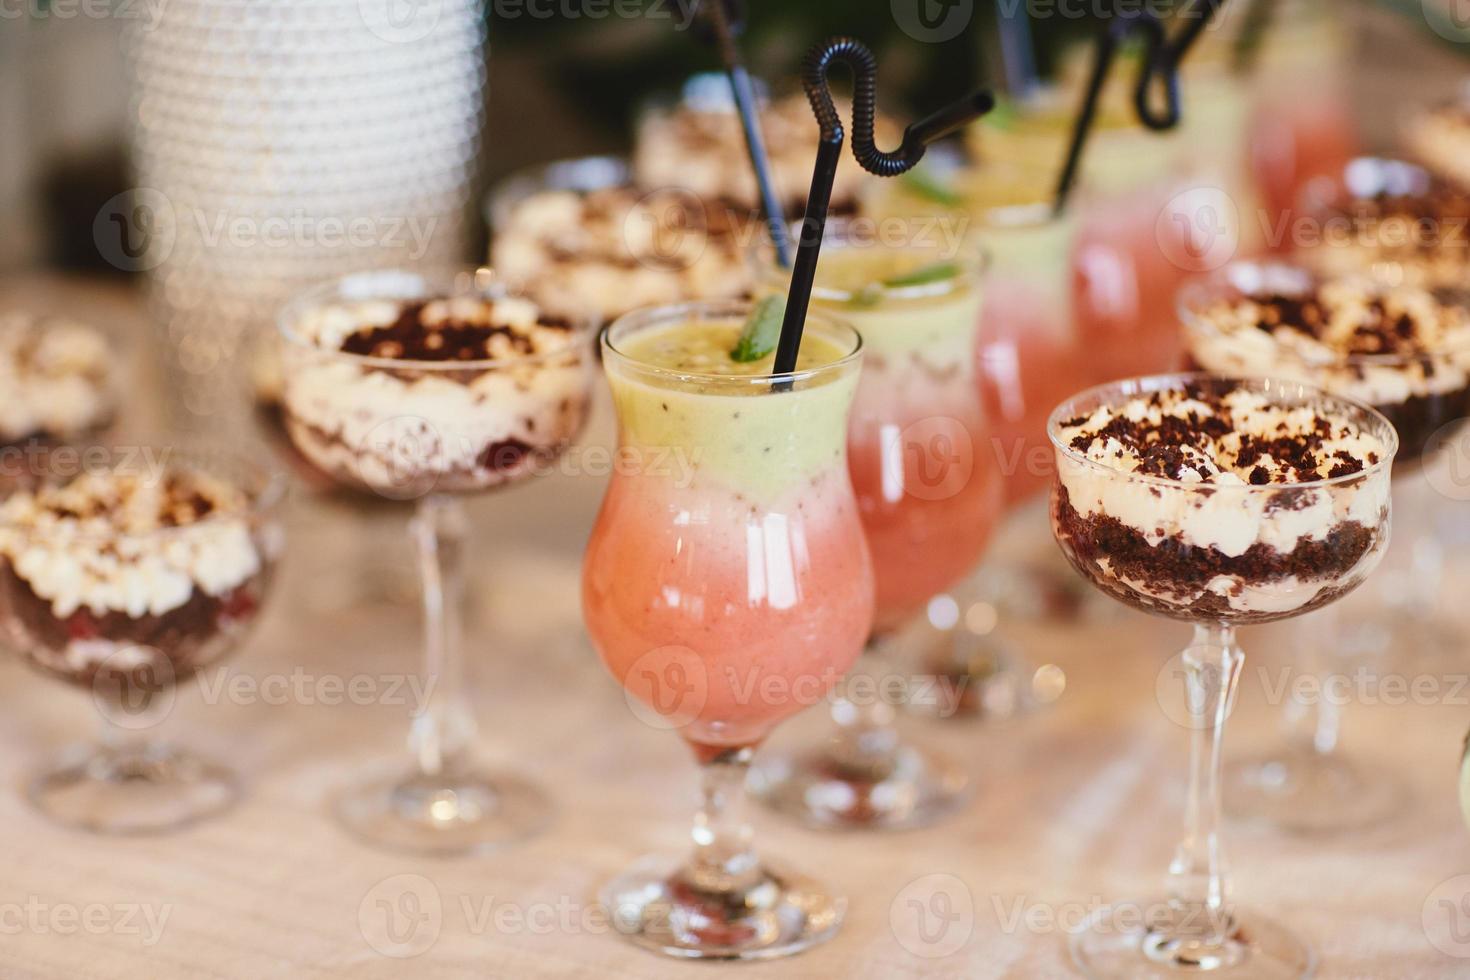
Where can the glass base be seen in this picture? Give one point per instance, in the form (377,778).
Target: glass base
(656,906)
(1309,793)
(151,789)
(910,788)
(447,814)
(1156,941)
(984,677)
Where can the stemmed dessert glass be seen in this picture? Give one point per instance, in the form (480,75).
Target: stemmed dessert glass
(727,586)
(1307,785)
(929,496)
(125,571)
(424,414)
(1158,534)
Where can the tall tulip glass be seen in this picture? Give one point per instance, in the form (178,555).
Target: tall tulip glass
(727,586)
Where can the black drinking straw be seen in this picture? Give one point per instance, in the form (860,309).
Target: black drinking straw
(884,164)
(724,25)
(1162,58)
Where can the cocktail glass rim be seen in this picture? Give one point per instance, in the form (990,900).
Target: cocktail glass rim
(1132,387)
(474,280)
(715,309)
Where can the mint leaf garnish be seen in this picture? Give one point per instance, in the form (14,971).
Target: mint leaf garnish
(921,183)
(1003,116)
(762,330)
(922,276)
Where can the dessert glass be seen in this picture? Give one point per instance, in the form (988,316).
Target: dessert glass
(1308,786)
(586,240)
(432,431)
(129,603)
(59,378)
(929,497)
(1215,555)
(725,599)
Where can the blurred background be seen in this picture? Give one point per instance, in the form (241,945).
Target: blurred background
(566,78)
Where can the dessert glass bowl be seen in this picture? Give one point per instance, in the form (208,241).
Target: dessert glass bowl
(432,431)
(1307,785)
(173,601)
(1196,928)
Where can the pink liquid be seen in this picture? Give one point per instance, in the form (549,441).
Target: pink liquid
(1027,365)
(1125,284)
(1295,140)
(926,487)
(721,614)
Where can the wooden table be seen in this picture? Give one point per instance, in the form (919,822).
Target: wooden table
(1076,805)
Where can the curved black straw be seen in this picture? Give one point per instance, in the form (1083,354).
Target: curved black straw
(916,139)
(1162,58)
(725,20)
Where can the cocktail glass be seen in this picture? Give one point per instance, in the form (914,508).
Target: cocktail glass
(727,586)
(929,495)
(432,432)
(1216,587)
(129,601)
(1307,785)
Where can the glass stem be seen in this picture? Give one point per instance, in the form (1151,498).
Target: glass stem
(443,726)
(1199,878)
(723,860)
(1314,726)
(866,741)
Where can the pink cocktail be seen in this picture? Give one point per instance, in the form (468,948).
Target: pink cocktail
(727,585)
(929,495)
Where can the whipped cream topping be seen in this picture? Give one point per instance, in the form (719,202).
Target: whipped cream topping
(1350,335)
(424,423)
(1206,455)
(1400,223)
(617,249)
(56,376)
(111,540)
(702,149)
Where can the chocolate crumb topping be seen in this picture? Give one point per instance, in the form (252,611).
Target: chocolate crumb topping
(417,336)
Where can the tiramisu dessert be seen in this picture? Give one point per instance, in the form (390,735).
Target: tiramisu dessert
(1214,500)
(447,393)
(1402,349)
(57,379)
(1399,223)
(612,250)
(698,145)
(141,576)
